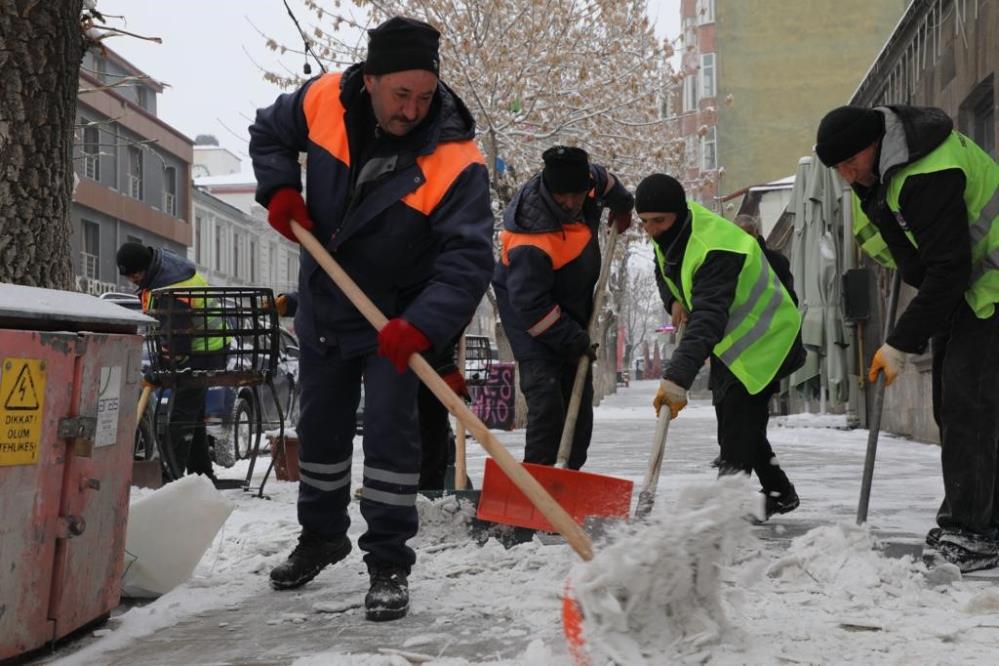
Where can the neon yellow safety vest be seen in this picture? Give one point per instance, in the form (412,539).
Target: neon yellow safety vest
(763,321)
(981,199)
(203,343)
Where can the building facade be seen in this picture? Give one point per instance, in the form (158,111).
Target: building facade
(233,245)
(133,172)
(943,53)
(757,77)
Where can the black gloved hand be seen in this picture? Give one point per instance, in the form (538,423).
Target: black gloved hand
(582,346)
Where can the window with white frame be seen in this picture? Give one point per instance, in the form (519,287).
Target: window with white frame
(690,152)
(708,75)
(236,241)
(705,11)
(135,172)
(90,255)
(690,93)
(92,153)
(219,236)
(170,191)
(709,157)
(199,240)
(253,261)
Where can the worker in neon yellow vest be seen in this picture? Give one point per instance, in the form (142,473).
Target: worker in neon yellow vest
(739,314)
(154,268)
(928,200)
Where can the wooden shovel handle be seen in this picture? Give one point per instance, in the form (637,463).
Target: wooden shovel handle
(526,483)
(147,390)
(460,476)
(583,368)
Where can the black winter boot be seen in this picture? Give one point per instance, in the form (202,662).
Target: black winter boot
(783,503)
(311,555)
(388,598)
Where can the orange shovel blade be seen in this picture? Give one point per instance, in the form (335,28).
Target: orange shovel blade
(581,494)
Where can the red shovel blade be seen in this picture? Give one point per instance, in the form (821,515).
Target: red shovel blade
(581,494)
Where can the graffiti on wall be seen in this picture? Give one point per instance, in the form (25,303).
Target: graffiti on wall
(493,401)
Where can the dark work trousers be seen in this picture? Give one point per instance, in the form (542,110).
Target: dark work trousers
(435,439)
(966,408)
(331,390)
(187,431)
(742,436)
(187,419)
(547,386)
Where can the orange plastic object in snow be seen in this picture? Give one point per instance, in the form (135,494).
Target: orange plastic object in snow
(572,627)
(581,494)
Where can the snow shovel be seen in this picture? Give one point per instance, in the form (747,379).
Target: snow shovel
(877,406)
(537,495)
(587,497)
(647,495)
(583,368)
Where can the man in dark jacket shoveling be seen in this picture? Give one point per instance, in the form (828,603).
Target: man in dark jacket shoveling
(399,195)
(929,202)
(550,262)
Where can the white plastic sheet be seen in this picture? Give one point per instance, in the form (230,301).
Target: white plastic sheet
(168,533)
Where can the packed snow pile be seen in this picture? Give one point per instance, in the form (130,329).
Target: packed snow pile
(442,521)
(844,560)
(657,589)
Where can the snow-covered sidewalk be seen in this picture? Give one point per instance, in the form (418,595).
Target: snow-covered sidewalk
(823,597)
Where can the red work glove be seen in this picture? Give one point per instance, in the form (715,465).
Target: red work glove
(286,205)
(457,384)
(398,340)
(620,219)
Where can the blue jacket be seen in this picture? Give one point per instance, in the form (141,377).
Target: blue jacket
(549,265)
(411,225)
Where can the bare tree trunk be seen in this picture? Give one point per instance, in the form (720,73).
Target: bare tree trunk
(41,47)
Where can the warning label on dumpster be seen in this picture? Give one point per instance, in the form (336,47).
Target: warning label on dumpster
(22,398)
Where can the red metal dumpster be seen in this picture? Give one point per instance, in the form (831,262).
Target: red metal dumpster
(69,383)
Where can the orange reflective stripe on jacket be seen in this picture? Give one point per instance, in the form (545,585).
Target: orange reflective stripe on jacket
(324,116)
(560,246)
(440,169)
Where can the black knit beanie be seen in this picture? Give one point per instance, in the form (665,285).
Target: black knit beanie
(660,193)
(400,44)
(567,170)
(133,257)
(846,131)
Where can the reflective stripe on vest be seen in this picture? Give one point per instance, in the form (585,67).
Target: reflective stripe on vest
(762,319)
(981,199)
(210,323)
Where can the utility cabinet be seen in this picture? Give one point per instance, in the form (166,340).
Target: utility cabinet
(70,376)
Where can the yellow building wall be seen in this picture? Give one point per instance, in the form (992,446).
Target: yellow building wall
(785,63)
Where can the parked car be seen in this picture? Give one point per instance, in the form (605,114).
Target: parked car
(229,411)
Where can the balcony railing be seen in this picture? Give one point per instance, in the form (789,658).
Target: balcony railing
(170,204)
(89,265)
(91,167)
(135,187)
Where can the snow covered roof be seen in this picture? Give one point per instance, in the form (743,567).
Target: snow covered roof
(229,179)
(781,184)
